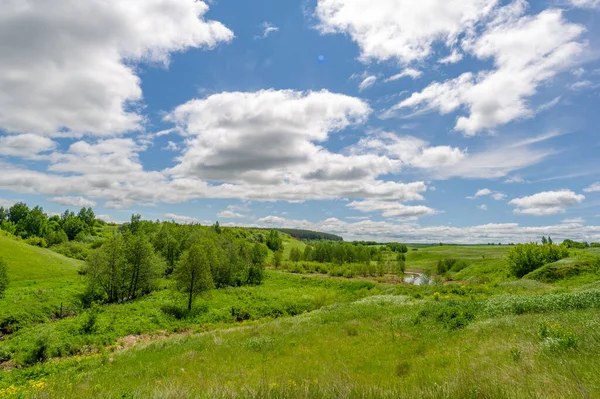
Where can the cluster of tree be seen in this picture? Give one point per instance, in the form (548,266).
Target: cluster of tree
(337,252)
(576,245)
(309,235)
(525,258)
(198,258)
(397,247)
(35,225)
(450,265)
(547,241)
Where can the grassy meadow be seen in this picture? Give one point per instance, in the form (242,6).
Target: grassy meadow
(475,333)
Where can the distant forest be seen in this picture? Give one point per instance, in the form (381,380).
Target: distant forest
(309,235)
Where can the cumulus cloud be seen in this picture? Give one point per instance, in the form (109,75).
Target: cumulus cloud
(498,196)
(27,146)
(547,202)
(78,202)
(180,218)
(452,58)
(483,192)
(66,66)
(403,30)
(412,232)
(526,50)
(391,209)
(483,207)
(445,162)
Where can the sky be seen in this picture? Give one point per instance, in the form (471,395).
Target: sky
(460,121)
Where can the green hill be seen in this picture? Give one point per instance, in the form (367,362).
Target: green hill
(40,281)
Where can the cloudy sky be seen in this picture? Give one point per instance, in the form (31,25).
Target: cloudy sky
(438,120)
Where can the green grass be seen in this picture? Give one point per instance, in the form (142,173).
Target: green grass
(40,281)
(299,336)
(369,348)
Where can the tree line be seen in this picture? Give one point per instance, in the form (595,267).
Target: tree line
(35,226)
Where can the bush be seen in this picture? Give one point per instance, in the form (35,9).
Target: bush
(73,249)
(450,264)
(36,242)
(525,258)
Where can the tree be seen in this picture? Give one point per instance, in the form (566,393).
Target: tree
(18,212)
(400,264)
(106,269)
(3,214)
(257,265)
(135,223)
(193,274)
(544,241)
(277,258)
(274,241)
(87,216)
(295,255)
(3,277)
(550,240)
(34,224)
(142,265)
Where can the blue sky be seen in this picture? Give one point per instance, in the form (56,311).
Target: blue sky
(456,121)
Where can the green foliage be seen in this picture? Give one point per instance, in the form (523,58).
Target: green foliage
(525,258)
(193,274)
(18,212)
(562,269)
(575,244)
(89,322)
(450,265)
(274,241)
(3,276)
(277,259)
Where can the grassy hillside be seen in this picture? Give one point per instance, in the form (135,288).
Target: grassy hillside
(40,281)
(382,346)
(486,335)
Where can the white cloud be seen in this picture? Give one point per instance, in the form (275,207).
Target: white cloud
(79,202)
(580,221)
(390,209)
(482,207)
(411,232)
(171,146)
(444,162)
(547,202)
(180,218)
(267,29)
(550,104)
(367,82)
(585,3)
(404,30)
(594,188)
(410,72)
(499,196)
(527,51)
(453,58)
(6,203)
(583,84)
(483,192)
(227,214)
(66,66)
(27,146)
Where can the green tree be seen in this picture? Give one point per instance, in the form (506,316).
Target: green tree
(18,212)
(193,273)
(106,270)
(550,240)
(257,265)
(71,224)
(34,224)
(87,216)
(143,266)
(295,254)
(274,241)
(544,241)
(277,259)
(400,264)
(3,277)
(3,214)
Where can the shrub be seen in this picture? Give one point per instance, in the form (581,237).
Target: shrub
(36,242)
(525,258)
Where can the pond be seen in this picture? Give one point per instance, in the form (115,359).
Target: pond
(418,279)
